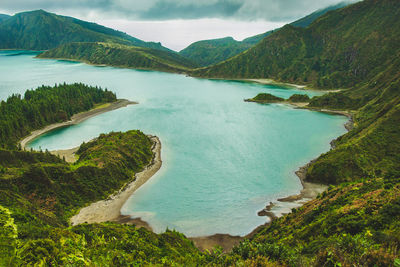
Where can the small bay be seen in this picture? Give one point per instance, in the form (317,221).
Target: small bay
(223,159)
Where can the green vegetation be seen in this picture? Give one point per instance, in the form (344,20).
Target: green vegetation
(354,47)
(265,98)
(41,30)
(268,98)
(120,56)
(210,52)
(299,98)
(353,224)
(45,105)
(339,50)
(39,193)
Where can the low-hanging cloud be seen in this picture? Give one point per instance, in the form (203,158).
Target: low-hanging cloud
(271,10)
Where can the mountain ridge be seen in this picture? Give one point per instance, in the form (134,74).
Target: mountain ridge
(42,30)
(118,55)
(212,51)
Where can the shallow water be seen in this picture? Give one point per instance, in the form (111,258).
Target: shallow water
(223,159)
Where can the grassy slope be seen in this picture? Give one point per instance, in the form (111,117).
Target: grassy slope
(339,50)
(40,30)
(353,224)
(41,185)
(120,56)
(210,52)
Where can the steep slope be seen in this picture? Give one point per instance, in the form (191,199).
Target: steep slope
(209,52)
(120,56)
(341,49)
(40,30)
(372,148)
(350,225)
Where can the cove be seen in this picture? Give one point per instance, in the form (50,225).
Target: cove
(223,159)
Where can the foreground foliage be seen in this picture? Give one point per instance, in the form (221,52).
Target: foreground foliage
(354,224)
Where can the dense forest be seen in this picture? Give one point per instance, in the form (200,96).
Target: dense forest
(45,105)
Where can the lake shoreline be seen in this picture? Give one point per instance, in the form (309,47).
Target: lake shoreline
(75,119)
(109,210)
(308,192)
(108,65)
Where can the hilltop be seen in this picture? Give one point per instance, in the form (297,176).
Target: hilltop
(213,51)
(339,50)
(41,30)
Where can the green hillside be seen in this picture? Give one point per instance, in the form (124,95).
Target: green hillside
(120,56)
(353,224)
(41,30)
(339,50)
(209,52)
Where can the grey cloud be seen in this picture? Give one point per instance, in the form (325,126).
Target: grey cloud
(272,10)
(175,10)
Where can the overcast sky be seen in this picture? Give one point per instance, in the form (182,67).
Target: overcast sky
(177,23)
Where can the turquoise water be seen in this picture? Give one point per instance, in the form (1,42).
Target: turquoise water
(223,158)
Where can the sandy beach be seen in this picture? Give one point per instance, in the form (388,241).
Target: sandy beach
(77,118)
(110,209)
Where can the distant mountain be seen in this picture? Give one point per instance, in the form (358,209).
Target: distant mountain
(209,52)
(341,49)
(118,55)
(41,30)
(3,17)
